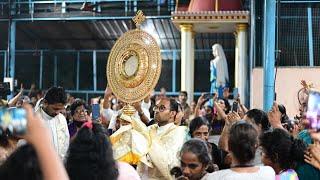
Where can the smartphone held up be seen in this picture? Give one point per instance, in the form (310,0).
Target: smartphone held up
(235,106)
(95,106)
(13,120)
(95,111)
(313,110)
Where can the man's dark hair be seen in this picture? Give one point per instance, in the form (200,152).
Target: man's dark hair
(90,155)
(196,123)
(77,103)
(260,118)
(242,141)
(280,147)
(183,93)
(174,106)
(56,95)
(22,164)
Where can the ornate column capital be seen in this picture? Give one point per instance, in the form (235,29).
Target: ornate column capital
(241,27)
(186,27)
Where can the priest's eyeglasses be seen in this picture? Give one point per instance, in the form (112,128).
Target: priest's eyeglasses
(160,108)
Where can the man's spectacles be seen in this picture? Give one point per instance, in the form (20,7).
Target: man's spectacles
(160,108)
(78,111)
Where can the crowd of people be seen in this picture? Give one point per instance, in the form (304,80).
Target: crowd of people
(168,139)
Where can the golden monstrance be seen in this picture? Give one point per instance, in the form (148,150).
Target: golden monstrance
(133,70)
(134,64)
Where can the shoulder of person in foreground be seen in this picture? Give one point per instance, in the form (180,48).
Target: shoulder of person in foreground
(306,171)
(265,173)
(126,171)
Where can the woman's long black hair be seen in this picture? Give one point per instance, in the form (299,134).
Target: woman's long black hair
(22,164)
(90,155)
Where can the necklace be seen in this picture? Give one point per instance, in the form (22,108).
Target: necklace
(242,165)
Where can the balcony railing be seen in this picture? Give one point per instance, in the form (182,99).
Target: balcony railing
(80,9)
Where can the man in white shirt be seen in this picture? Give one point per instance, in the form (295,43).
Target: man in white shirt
(50,111)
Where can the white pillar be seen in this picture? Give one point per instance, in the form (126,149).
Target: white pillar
(187,60)
(241,62)
(236,62)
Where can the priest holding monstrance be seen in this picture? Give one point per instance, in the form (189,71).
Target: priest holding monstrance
(133,70)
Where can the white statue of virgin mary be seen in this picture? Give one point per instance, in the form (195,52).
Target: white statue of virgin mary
(219,75)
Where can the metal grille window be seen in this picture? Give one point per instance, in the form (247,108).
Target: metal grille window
(86,74)
(48,70)
(293,35)
(66,70)
(27,69)
(2,58)
(258,34)
(316,35)
(101,70)
(293,38)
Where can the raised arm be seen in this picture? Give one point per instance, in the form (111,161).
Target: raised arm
(39,136)
(15,99)
(201,100)
(244,109)
(141,114)
(230,119)
(274,116)
(107,95)
(220,111)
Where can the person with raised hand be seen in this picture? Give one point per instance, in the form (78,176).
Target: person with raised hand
(15,99)
(44,164)
(312,155)
(38,135)
(274,116)
(242,145)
